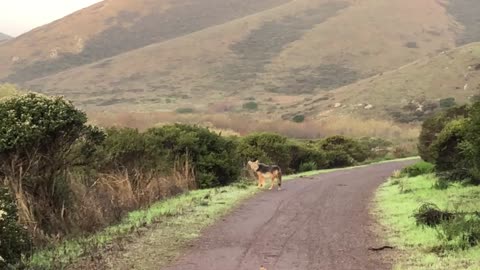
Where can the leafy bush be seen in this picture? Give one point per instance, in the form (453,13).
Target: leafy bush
(471,145)
(461,232)
(449,158)
(430,215)
(39,139)
(447,102)
(306,153)
(417,169)
(307,167)
(214,157)
(251,106)
(184,110)
(266,147)
(342,151)
(14,240)
(376,147)
(299,118)
(432,126)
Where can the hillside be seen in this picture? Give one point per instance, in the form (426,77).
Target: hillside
(406,94)
(4,37)
(112,27)
(212,57)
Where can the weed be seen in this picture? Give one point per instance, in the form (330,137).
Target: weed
(430,215)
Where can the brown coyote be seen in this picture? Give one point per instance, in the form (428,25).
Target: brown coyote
(266,171)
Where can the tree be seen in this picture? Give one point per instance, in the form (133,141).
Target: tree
(39,140)
(432,126)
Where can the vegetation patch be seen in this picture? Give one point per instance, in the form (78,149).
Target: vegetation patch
(184,110)
(447,242)
(251,106)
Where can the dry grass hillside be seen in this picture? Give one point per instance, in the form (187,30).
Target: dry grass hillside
(287,57)
(4,37)
(405,94)
(112,27)
(297,48)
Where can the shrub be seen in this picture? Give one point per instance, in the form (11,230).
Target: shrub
(251,106)
(342,151)
(303,153)
(307,167)
(214,157)
(184,110)
(447,153)
(471,145)
(14,240)
(432,126)
(375,147)
(266,147)
(299,118)
(417,169)
(460,232)
(447,102)
(430,215)
(39,139)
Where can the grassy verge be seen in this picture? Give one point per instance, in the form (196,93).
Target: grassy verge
(182,218)
(311,173)
(397,200)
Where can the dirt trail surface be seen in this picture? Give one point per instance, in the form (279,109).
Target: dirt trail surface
(320,222)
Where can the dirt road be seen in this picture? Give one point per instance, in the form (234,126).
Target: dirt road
(320,222)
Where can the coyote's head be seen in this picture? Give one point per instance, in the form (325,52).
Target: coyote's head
(253,165)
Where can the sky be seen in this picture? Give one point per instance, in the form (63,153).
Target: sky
(20,16)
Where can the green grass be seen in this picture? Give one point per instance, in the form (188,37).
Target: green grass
(395,209)
(182,218)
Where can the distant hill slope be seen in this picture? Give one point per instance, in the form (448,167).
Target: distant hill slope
(4,37)
(405,94)
(297,48)
(213,55)
(112,27)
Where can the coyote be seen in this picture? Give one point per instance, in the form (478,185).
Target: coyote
(263,171)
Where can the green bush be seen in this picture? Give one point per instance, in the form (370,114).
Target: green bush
(377,148)
(184,110)
(306,153)
(432,126)
(14,240)
(462,232)
(307,167)
(471,145)
(417,169)
(39,141)
(214,157)
(447,102)
(342,151)
(299,118)
(450,160)
(251,106)
(266,147)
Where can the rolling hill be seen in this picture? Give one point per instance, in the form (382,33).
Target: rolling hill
(212,55)
(4,37)
(405,94)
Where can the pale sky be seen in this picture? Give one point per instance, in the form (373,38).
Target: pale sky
(20,16)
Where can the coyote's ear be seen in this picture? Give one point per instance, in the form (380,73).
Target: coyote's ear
(256,161)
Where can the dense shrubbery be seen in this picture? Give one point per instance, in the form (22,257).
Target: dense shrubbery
(342,151)
(71,177)
(450,140)
(14,240)
(417,169)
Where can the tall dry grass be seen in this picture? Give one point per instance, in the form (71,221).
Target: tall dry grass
(245,123)
(107,200)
